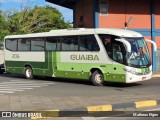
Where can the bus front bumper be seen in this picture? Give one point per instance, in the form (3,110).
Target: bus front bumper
(131,78)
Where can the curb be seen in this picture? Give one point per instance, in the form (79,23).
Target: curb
(101,108)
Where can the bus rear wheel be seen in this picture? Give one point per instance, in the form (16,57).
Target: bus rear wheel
(28,72)
(97,78)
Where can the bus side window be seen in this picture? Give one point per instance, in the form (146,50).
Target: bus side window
(83,44)
(88,43)
(74,44)
(24,45)
(37,44)
(117,53)
(59,39)
(51,43)
(70,43)
(64,44)
(107,42)
(11,44)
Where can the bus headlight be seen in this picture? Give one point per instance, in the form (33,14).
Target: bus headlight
(150,68)
(133,71)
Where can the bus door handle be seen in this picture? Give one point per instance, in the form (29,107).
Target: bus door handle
(72,68)
(115,68)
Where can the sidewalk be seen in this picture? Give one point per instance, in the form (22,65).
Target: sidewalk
(32,103)
(156,74)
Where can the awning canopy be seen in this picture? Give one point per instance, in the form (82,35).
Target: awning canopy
(64,3)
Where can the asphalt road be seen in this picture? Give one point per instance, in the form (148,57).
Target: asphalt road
(67,87)
(16,85)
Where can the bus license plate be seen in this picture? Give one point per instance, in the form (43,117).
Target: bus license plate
(143,78)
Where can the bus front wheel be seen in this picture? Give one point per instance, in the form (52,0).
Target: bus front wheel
(28,72)
(97,78)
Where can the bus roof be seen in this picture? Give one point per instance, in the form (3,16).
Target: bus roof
(80,31)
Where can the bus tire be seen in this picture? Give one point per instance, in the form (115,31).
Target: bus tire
(97,78)
(28,72)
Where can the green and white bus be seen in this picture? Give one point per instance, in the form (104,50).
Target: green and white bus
(80,54)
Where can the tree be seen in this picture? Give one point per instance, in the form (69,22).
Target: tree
(37,19)
(3,27)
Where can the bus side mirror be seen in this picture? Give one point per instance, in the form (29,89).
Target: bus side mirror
(154,44)
(126,43)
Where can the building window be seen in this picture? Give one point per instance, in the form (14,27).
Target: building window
(103,7)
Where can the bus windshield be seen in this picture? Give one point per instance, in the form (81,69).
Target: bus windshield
(139,56)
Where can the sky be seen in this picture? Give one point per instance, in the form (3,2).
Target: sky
(13,5)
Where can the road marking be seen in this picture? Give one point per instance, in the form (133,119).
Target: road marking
(12,89)
(91,109)
(6,92)
(147,103)
(24,84)
(17,82)
(13,86)
(102,118)
(24,87)
(30,82)
(88,118)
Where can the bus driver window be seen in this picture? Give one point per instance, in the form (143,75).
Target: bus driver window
(107,44)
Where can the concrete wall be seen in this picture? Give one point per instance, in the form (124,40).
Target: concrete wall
(120,11)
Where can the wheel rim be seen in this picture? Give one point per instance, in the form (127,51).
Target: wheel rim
(98,78)
(28,73)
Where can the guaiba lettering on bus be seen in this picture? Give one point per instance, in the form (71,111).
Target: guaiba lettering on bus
(84,57)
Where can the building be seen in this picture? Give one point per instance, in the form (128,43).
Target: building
(141,15)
